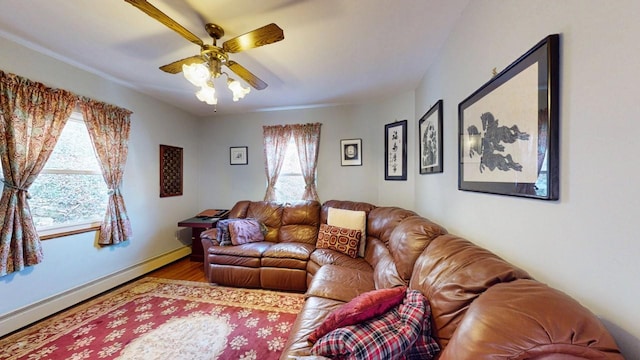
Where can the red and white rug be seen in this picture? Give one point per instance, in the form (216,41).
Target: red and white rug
(163,319)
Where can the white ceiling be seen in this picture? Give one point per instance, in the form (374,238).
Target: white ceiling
(334,51)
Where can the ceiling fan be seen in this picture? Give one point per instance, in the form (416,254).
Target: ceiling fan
(213,56)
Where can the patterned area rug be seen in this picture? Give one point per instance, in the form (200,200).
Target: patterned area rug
(163,319)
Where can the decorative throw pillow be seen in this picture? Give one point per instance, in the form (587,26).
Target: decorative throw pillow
(340,239)
(245,231)
(404,332)
(224,237)
(350,219)
(361,308)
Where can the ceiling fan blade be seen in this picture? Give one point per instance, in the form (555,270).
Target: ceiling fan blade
(176,66)
(169,22)
(265,35)
(246,75)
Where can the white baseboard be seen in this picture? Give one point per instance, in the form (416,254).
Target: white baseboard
(29,314)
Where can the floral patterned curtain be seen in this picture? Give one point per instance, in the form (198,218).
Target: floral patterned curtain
(276,139)
(32,117)
(307,138)
(109,128)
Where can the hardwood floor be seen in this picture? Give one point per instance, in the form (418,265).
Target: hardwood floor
(183,269)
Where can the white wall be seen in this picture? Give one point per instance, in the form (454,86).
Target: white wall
(223,184)
(586,243)
(72,261)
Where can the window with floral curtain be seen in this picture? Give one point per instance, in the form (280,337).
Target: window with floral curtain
(296,148)
(32,117)
(31,120)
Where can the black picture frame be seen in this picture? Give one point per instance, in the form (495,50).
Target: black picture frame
(239,155)
(395,149)
(430,140)
(171,171)
(508,128)
(351,152)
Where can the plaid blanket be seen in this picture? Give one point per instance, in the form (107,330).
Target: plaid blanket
(402,333)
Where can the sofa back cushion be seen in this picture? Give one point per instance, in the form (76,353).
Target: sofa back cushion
(452,272)
(300,222)
(536,322)
(382,220)
(291,222)
(408,239)
(266,212)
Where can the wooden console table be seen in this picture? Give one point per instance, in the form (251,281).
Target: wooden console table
(198,225)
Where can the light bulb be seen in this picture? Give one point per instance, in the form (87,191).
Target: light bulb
(238,91)
(197,74)
(207,93)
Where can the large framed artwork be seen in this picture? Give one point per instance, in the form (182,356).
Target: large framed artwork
(508,129)
(351,152)
(170,171)
(430,140)
(395,149)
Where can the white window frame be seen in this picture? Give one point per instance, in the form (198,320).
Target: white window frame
(53,231)
(291,143)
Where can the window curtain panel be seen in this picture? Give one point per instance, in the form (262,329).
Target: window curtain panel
(109,128)
(307,138)
(276,139)
(32,117)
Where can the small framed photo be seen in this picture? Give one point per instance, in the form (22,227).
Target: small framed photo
(238,155)
(430,140)
(351,152)
(395,149)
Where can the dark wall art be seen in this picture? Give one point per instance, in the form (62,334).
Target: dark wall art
(508,129)
(395,148)
(430,140)
(351,152)
(170,171)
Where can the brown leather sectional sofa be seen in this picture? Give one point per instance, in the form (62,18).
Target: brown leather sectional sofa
(482,307)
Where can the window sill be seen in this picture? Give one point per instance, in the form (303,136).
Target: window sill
(67,231)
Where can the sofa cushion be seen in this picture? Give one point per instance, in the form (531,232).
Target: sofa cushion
(350,219)
(340,283)
(402,333)
(340,239)
(361,308)
(244,231)
(222,234)
(532,324)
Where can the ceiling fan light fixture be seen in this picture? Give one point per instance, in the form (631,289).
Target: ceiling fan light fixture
(237,89)
(207,94)
(198,74)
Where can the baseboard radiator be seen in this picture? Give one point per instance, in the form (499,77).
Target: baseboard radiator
(29,314)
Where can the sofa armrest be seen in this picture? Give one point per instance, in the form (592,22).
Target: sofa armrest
(209,238)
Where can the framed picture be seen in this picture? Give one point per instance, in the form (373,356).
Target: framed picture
(238,155)
(509,129)
(395,149)
(430,140)
(170,171)
(351,152)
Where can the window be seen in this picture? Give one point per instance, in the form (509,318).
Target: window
(69,193)
(290,185)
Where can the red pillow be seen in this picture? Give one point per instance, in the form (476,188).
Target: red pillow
(361,308)
(340,239)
